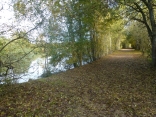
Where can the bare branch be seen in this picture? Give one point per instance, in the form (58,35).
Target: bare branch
(24,55)
(145,2)
(144,19)
(139,20)
(1,8)
(20,37)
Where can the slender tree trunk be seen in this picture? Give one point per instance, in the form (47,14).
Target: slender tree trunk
(153,27)
(80,54)
(75,65)
(72,39)
(92,39)
(154,50)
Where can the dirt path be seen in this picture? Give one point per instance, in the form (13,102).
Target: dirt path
(119,85)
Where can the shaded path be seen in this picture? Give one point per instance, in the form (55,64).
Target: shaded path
(119,85)
(122,81)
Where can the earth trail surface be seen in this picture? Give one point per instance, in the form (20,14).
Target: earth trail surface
(121,84)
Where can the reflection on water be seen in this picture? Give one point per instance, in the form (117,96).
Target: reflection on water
(37,68)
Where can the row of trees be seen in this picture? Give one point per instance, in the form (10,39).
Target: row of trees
(143,11)
(78,31)
(82,31)
(137,35)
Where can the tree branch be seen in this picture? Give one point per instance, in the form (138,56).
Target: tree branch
(20,37)
(139,20)
(145,2)
(23,56)
(144,19)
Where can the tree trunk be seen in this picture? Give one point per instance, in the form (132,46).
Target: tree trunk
(153,31)
(75,65)
(93,42)
(154,51)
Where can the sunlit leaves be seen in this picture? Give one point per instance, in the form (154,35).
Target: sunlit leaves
(17,54)
(71,24)
(20,7)
(138,37)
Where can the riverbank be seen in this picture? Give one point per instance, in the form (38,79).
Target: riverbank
(121,84)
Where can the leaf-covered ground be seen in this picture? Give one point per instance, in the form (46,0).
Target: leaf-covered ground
(120,85)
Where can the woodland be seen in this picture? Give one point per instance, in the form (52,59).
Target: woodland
(108,51)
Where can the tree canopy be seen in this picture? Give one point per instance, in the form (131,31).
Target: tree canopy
(79,31)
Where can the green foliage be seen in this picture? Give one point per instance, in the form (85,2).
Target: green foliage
(138,37)
(86,37)
(78,31)
(16,56)
(19,8)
